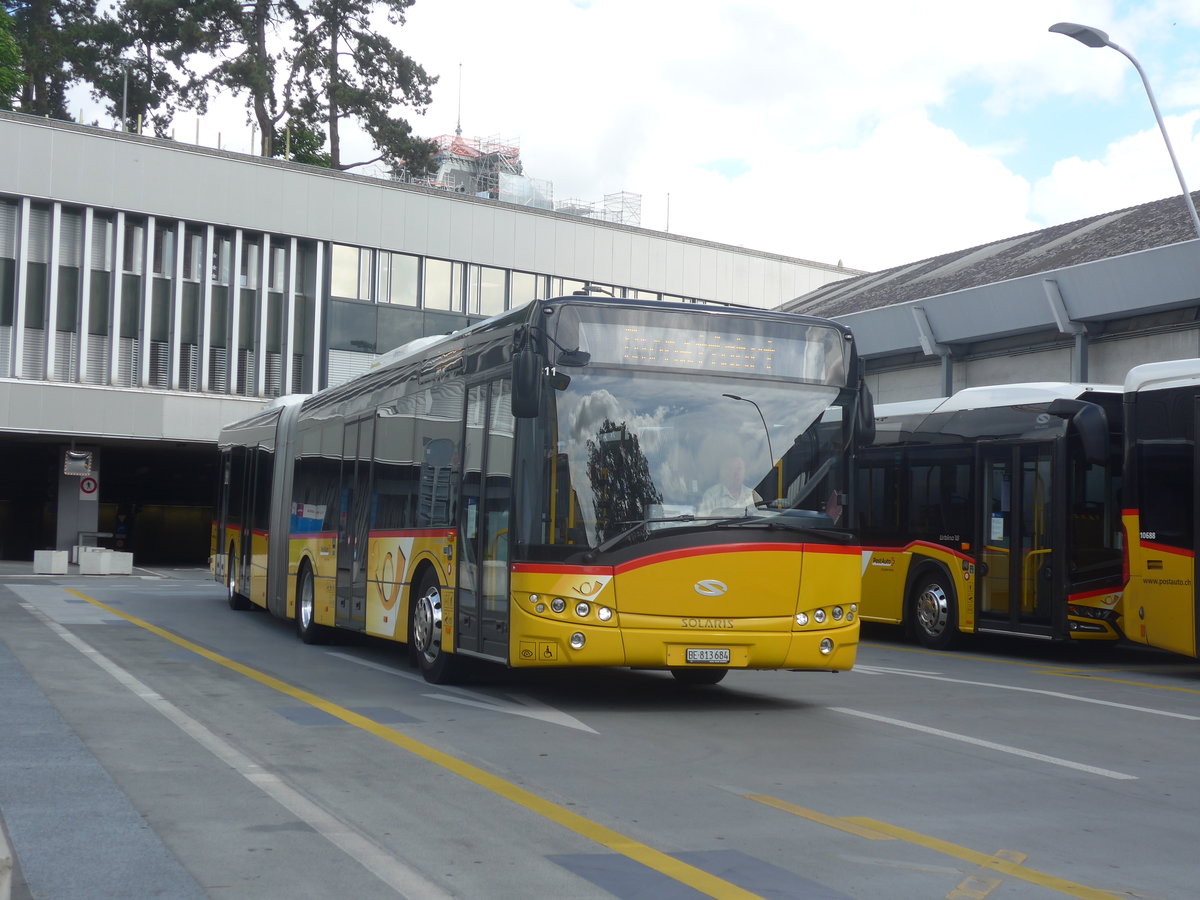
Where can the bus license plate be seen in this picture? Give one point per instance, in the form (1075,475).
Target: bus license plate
(707,655)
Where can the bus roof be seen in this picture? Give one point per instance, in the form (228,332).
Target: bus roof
(1160,375)
(996,395)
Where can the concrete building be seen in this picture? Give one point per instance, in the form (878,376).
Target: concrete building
(1085,301)
(151,291)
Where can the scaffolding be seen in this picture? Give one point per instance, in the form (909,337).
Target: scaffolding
(623,207)
(491,168)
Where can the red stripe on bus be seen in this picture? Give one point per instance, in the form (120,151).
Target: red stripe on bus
(312,535)
(413,532)
(691,552)
(1163,548)
(926,544)
(1089,594)
(556,569)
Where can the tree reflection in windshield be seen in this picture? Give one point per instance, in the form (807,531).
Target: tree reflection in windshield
(622,487)
(634,445)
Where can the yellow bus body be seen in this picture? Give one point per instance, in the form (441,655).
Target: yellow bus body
(756,621)
(1159,606)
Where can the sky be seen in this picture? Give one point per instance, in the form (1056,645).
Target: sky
(867,134)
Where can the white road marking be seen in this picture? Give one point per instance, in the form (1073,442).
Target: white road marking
(521,705)
(988,745)
(386,867)
(932,676)
(55,605)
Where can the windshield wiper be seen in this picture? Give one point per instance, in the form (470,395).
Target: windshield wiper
(791,524)
(655,520)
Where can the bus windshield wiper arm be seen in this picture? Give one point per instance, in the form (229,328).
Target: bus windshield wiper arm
(790,525)
(617,538)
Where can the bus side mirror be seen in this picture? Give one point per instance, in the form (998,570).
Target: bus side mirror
(1091,422)
(866,415)
(527,384)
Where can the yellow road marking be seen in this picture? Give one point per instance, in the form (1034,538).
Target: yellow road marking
(695,878)
(975,887)
(820,818)
(1007,862)
(984,861)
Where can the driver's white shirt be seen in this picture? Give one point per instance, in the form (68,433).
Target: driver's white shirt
(719,497)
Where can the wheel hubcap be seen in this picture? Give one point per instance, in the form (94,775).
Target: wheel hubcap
(932,610)
(306,604)
(427,624)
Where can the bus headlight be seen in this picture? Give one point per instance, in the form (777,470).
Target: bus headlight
(819,616)
(801,619)
(826,646)
(604,614)
(558,604)
(582,609)
(837,614)
(578,640)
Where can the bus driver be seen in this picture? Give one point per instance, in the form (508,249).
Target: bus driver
(730,495)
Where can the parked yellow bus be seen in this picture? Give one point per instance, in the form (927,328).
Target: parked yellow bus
(542,489)
(995,510)
(1162,403)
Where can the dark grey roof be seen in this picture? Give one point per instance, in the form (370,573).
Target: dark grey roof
(1143,227)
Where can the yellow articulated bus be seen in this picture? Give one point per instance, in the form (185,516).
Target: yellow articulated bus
(583,481)
(995,511)
(1162,493)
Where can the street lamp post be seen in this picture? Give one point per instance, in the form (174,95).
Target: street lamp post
(1094,37)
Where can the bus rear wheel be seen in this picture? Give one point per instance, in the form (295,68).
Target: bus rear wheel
(425,633)
(933,611)
(699,677)
(236,600)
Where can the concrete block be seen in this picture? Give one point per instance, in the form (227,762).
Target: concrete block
(95,561)
(49,562)
(122,563)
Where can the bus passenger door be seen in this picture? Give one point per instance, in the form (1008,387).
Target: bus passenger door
(353,507)
(1016,594)
(482,606)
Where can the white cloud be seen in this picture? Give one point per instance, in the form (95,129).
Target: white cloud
(807,128)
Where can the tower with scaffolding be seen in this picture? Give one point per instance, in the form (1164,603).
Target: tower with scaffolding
(491,168)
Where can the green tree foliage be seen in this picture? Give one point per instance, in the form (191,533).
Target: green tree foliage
(353,71)
(12,76)
(49,35)
(151,57)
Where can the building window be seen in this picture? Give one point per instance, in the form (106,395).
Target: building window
(249,274)
(527,287)
(485,290)
(399,278)
(443,285)
(8,229)
(350,272)
(102,243)
(563,287)
(222,256)
(135,247)
(193,253)
(278,266)
(164,247)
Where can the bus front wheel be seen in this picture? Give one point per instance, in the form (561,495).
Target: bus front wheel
(934,612)
(425,633)
(236,600)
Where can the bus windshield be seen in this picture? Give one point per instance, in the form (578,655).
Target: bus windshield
(672,448)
